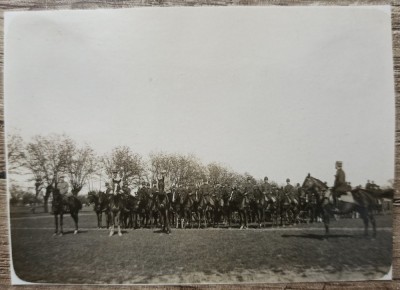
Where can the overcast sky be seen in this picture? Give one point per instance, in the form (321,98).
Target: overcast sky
(272,91)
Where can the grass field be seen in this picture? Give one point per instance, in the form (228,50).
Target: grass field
(300,253)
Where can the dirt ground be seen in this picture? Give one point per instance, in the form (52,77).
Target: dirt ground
(301,253)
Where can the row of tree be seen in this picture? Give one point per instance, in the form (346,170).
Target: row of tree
(45,158)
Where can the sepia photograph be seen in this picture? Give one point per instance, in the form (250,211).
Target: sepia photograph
(200,145)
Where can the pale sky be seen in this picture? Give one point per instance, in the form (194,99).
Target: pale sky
(272,91)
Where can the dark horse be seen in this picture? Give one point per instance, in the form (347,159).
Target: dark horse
(239,201)
(101,205)
(359,200)
(60,205)
(163,206)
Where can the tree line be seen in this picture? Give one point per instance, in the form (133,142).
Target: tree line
(46,157)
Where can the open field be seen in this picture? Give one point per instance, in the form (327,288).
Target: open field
(300,253)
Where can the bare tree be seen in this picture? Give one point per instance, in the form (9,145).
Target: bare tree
(180,169)
(80,166)
(130,165)
(48,156)
(15,153)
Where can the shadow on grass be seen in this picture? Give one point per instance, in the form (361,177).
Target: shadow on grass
(71,232)
(160,231)
(318,237)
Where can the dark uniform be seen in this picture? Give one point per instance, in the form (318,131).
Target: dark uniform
(340,186)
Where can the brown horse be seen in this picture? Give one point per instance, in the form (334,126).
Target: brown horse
(239,201)
(101,205)
(163,205)
(61,205)
(359,200)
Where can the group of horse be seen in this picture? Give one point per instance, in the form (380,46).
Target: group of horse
(192,207)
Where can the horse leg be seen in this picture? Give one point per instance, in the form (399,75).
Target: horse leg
(373,222)
(112,224)
(364,216)
(119,216)
(326,221)
(246,219)
(75,218)
(61,223)
(167,222)
(99,219)
(56,224)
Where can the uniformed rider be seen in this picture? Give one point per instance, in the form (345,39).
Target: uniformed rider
(340,186)
(63,188)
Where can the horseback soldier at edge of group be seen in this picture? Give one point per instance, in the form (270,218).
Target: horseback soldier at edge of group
(340,186)
(63,188)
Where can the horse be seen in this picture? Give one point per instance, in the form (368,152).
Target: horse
(130,213)
(239,201)
(257,204)
(359,200)
(200,208)
(145,206)
(101,205)
(163,205)
(272,206)
(188,205)
(175,213)
(60,205)
(117,207)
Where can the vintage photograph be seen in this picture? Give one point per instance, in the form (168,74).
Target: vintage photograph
(200,145)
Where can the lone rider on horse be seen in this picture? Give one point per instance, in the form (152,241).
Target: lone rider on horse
(340,186)
(63,187)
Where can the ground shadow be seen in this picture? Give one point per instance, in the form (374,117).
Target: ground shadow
(318,237)
(71,232)
(160,231)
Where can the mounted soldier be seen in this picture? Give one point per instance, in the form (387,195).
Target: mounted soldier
(266,188)
(63,187)
(116,182)
(289,191)
(340,186)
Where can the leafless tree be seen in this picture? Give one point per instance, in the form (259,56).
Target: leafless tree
(15,153)
(129,164)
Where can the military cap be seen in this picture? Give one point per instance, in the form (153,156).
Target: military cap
(339,163)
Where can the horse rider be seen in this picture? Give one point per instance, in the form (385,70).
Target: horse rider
(63,188)
(142,191)
(125,189)
(266,188)
(288,189)
(205,189)
(249,186)
(116,182)
(108,188)
(340,186)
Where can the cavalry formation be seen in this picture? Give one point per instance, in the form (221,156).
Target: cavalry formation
(212,205)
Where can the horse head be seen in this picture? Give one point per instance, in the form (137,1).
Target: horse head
(92,197)
(313,184)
